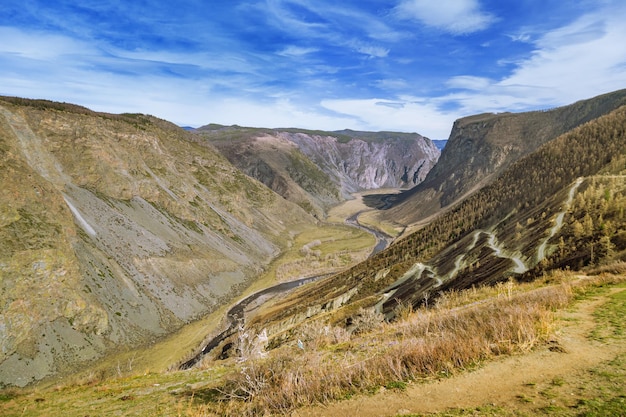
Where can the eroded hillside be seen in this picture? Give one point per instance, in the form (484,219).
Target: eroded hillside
(317,170)
(116,230)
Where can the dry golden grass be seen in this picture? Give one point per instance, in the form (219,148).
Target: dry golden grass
(459,332)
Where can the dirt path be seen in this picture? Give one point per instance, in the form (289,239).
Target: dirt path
(541,251)
(504,382)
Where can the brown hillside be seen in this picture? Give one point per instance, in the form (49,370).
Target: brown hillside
(510,228)
(116,230)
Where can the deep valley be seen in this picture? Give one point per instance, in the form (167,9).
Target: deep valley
(231,270)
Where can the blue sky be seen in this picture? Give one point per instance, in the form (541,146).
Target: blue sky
(403,65)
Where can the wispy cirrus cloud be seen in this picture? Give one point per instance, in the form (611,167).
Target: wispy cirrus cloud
(405,112)
(469,82)
(296,51)
(372,51)
(579,60)
(402,65)
(456,16)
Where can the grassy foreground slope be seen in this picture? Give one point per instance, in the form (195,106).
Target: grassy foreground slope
(426,350)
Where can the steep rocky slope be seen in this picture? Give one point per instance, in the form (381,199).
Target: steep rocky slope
(115,230)
(483,146)
(279,164)
(318,169)
(370,160)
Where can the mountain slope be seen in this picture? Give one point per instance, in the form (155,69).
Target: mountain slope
(278,163)
(483,146)
(561,206)
(317,170)
(116,230)
(370,160)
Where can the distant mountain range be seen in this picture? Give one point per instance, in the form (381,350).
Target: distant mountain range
(317,169)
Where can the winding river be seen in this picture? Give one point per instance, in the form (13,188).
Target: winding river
(382,239)
(235,315)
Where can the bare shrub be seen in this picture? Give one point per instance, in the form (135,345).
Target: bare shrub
(316,335)
(616,268)
(250,345)
(307,249)
(367,320)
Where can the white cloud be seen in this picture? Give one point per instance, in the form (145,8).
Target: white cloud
(469,82)
(454,16)
(270,113)
(371,50)
(296,51)
(286,20)
(520,37)
(408,114)
(40,45)
(580,60)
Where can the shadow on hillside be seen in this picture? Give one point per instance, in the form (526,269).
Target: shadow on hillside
(384,201)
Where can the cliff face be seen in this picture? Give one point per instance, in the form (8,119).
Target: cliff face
(115,230)
(316,170)
(481,147)
(390,161)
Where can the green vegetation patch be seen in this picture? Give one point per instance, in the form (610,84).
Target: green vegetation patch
(611,317)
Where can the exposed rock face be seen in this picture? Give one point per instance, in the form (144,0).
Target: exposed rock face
(115,230)
(392,161)
(319,169)
(483,146)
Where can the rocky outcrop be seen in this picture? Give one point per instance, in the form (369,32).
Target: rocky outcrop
(390,160)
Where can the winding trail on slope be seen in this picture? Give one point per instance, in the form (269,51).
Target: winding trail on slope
(520,267)
(541,250)
(458,262)
(418,268)
(494,245)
